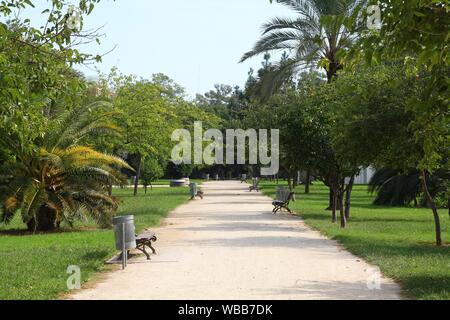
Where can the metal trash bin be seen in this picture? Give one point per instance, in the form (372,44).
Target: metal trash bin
(124,232)
(193,189)
(130,236)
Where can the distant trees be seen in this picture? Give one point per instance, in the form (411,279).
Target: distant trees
(148,111)
(151,171)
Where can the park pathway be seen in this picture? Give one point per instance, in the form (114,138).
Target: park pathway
(230,246)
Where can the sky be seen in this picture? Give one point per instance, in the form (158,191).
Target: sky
(198,43)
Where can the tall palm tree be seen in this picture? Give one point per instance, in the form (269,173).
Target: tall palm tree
(60,180)
(315,38)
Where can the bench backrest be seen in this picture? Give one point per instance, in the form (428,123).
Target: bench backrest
(281,194)
(284,195)
(290,197)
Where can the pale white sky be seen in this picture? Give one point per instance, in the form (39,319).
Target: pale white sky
(198,43)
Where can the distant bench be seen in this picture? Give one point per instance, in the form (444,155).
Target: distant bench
(145,240)
(255,185)
(193,189)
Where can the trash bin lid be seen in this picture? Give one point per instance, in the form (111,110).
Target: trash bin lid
(123,219)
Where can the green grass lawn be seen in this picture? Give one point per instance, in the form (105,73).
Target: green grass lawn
(398,240)
(34,266)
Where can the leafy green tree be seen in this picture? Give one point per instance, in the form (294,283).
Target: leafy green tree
(149,112)
(148,120)
(305,120)
(151,171)
(416,32)
(376,123)
(35,66)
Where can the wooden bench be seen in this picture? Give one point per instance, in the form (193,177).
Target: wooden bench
(283,203)
(255,185)
(145,240)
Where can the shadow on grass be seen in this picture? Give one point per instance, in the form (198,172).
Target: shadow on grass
(355,218)
(63,230)
(151,194)
(16,232)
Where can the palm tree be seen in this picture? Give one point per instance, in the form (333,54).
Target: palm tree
(316,37)
(61,180)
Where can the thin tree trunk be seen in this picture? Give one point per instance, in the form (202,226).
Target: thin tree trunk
(290,183)
(432,204)
(110,187)
(334,207)
(307,181)
(348,197)
(145,188)
(341,209)
(332,196)
(294,183)
(448,204)
(331,199)
(138,174)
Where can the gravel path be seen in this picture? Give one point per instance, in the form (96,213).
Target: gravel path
(230,246)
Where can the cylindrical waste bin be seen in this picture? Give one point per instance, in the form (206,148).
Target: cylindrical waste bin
(130,236)
(193,187)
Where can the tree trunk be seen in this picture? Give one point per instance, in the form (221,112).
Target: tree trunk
(290,183)
(448,205)
(331,197)
(348,197)
(45,220)
(433,207)
(307,181)
(145,188)
(334,207)
(341,209)
(138,174)
(110,188)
